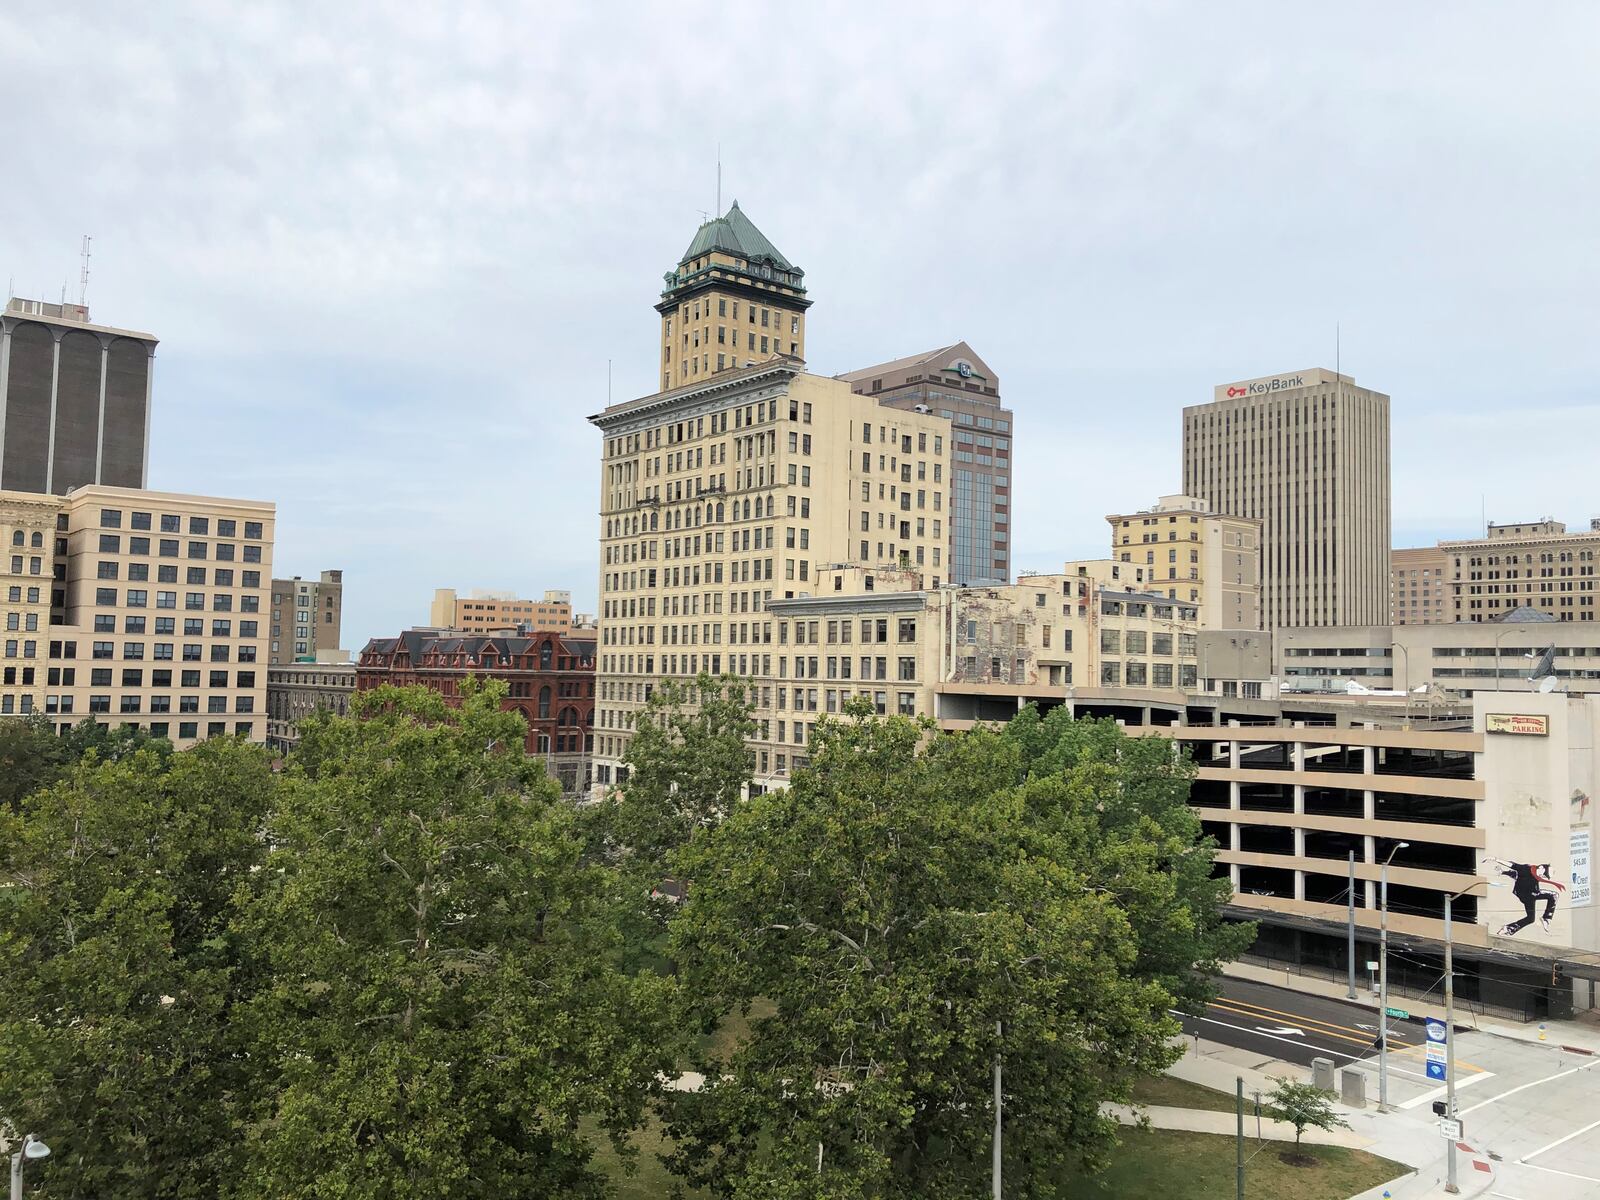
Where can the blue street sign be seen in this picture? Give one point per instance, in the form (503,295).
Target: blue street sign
(1436,1071)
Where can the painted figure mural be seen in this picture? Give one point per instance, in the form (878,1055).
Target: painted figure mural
(1531,884)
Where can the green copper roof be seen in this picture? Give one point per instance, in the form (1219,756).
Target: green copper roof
(735,234)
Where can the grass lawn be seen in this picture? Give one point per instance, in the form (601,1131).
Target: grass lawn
(1166,1091)
(735,1028)
(651,1180)
(1166,1164)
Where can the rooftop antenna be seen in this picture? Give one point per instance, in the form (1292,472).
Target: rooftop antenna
(83,272)
(608,383)
(719,179)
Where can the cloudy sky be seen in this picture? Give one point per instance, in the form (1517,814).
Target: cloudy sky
(390,249)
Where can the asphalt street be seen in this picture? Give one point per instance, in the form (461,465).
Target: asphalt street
(1277,1023)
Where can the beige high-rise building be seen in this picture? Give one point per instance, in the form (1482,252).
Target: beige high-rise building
(721,496)
(1205,558)
(1528,564)
(157,613)
(28,535)
(306,618)
(1306,454)
(1419,586)
(482,610)
(733,301)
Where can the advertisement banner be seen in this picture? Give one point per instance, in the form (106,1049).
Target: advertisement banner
(1531,724)
(1436,1035)
(1579,875)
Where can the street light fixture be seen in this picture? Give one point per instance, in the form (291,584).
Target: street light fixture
(1383,977)
(33,1149)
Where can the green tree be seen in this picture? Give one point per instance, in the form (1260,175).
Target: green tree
(687,767)
(894,904)
(1122,803)
(1304,1106)
(443,1008)
(109,743)
(32,757)
(118,980)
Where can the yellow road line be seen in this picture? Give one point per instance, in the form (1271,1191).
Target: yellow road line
(1349,1033)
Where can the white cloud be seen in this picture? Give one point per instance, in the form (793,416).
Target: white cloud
(390,250)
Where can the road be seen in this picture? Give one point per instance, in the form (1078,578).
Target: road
(1530,1110)
(1277,1023)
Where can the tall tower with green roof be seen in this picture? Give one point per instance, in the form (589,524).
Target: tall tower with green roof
(733,300)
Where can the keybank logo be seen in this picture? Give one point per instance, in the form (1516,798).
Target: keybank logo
(1265,387)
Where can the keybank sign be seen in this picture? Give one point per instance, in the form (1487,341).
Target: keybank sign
(1265,387)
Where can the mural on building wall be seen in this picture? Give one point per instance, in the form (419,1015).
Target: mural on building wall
(1534,889)
(1527,855)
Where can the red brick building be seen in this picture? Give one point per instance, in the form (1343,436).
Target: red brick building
(549,678)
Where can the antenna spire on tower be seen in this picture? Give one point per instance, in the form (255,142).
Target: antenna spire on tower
(719,179)
(83,271)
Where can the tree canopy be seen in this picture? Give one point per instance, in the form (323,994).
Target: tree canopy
(441,1008)
(900,900)
(118,977)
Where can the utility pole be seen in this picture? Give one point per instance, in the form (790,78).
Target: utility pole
(1238,1150)
(1350,927)
(1450,1184)
(998,1033)
(1383,978)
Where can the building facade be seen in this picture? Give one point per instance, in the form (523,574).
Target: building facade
(158,613)
(1205,558)
(27,570)
(1533,564)
(1302,797)
(722,496)
(1419,586)
(954,383)
(733,301)
(482,611)
(1306,454)
(296,690)
(957,655)
(549,678)
(74,400)
(1462,657)
(306,617)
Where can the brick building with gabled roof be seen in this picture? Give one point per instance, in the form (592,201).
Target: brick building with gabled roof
(549,679)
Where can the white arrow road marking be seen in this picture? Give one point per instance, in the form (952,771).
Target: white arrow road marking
(1281,1031)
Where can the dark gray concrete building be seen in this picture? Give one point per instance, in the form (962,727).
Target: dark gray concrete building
(74,400)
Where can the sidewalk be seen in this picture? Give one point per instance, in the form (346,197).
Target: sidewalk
(1197,1120)
(1581,1037)
(1410,1137)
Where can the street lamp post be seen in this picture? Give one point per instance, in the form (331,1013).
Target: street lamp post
(1497,638)
(1450,1032)
(32,1151)
(1350,927)
(1406,656)
(1383,977)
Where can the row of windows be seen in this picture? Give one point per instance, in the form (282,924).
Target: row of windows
(140,572)
(111,518)
(111,543)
